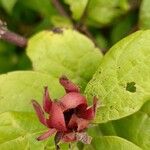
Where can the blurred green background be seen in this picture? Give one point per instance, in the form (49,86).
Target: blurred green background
(107,21)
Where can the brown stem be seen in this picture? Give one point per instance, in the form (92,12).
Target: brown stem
(60,8)
(83,29)
(11,37)
(80,26)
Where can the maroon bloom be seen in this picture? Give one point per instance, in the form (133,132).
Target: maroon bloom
(68,117)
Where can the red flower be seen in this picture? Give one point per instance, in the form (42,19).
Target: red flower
(69,117)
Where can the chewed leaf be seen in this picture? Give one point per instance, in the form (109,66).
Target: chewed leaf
(122,80)
(111,143)
(64,52)
(19,88)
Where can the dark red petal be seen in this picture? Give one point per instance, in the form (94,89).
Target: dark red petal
(88,113)
(80,123)
(69,137)
(47,103)
(39,112)
(72,100)
(68,85)
(83,137)
(46,134)
(56,119)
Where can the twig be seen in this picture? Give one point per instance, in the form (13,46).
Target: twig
(60,8)
(83,29)
(11,37)
(80,26)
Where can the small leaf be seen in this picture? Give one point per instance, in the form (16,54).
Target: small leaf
(111,143)
(122,81)
(19,88)
(77,7)
(64,52)
(8,5)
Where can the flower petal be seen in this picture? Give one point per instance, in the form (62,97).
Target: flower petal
(47,103)
(69,137)
(72,100)
(46,134)
(68,85)
(85,113)
(39,112)
(56,119)
(88,113)
(79,123)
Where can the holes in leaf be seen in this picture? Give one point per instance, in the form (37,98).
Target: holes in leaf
(131,87)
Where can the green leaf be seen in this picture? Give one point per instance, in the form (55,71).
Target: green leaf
(77,7)
(136,127)
(107,11)
(19,88)
(111,143)
(144,16)
(122,81)
(20,130)
(146,108)
(64,51)
(8,5)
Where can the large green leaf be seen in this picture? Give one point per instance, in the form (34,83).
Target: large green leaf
(122,81)
(19,130)
(136,127)
(19,88)
(64,51)
(111,143)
